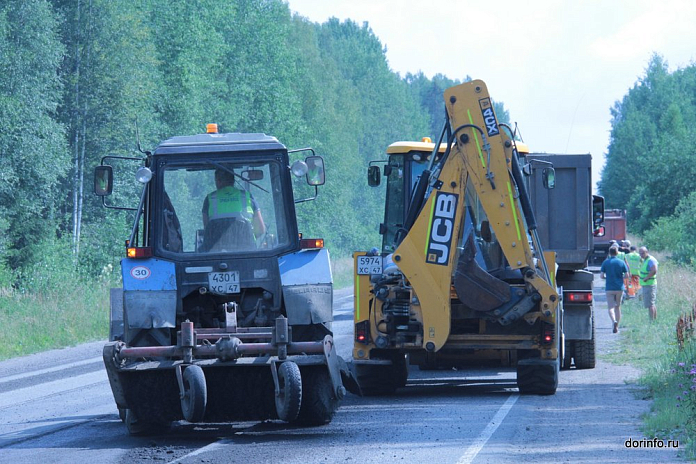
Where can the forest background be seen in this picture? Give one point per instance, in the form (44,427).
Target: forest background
(78,74)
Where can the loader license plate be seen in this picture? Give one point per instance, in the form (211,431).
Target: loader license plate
(368,265)
(224,282)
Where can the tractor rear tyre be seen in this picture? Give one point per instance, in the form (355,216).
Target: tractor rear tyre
(195,398)
(319,401)
(138,427)
(289,398)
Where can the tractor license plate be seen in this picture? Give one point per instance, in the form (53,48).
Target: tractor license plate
(224,282)
(368,265)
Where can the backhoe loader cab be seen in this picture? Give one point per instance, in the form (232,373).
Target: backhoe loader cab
(462,277)
(225,312)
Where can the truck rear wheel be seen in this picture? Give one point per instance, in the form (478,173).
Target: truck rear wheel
(584,351)
(568,354)
(289,398)
(319,402)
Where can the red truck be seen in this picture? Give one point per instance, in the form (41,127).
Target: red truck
(614,229)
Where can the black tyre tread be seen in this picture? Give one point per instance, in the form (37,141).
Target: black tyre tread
(585,352)
(382,380)
(289,402)
(196,394)
(536,380)
(401,370)
(568,356)
(319,403)
(140,428)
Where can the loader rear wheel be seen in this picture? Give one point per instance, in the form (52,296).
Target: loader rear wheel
(319,402)
(195,398)
(289,398)
(382,379)
(537,377)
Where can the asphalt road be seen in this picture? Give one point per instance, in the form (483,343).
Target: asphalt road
(56,407)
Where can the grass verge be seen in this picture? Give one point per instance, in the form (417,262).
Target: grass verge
(48,311)
(667,369)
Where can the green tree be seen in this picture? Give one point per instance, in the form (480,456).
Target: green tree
(32,142)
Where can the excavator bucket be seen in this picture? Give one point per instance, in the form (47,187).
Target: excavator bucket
(475,287)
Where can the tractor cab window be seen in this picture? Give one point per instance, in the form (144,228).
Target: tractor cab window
(223,208)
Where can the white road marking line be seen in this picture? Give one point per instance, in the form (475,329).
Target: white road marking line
(35,392)
(205,449)
(48,370)
(490,429)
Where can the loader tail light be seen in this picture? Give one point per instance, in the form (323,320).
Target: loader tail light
(548,334)
(306,243)
(577,297)
(138,252)
(362,332)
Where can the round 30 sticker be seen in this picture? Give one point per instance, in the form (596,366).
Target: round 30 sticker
(140,272)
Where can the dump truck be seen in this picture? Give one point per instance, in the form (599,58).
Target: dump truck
(462,276)
(225,311)
(614,229)
(569,218)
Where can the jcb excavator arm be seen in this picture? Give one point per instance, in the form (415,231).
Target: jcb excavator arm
(482,154)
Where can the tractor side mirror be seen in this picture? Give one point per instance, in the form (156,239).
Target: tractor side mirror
(549,178)
(315,170)
(103,180)
(373,176)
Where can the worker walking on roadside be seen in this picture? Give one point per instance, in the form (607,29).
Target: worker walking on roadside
(633,260)
(613,270)
(648,279)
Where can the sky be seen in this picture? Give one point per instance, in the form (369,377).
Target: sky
(558,66)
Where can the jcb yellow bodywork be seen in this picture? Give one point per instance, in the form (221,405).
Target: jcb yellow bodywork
(481,154)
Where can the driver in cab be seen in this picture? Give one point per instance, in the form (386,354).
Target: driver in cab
(230,202)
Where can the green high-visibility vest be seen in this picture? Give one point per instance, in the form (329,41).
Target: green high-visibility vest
(644,272)
(633,260)
(230,202)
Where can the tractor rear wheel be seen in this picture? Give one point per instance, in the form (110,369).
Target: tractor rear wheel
(138,427)
(319,401)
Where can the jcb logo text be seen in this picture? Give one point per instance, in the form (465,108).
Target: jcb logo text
(442,228)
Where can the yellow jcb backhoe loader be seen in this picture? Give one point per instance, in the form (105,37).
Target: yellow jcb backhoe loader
(462,276)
